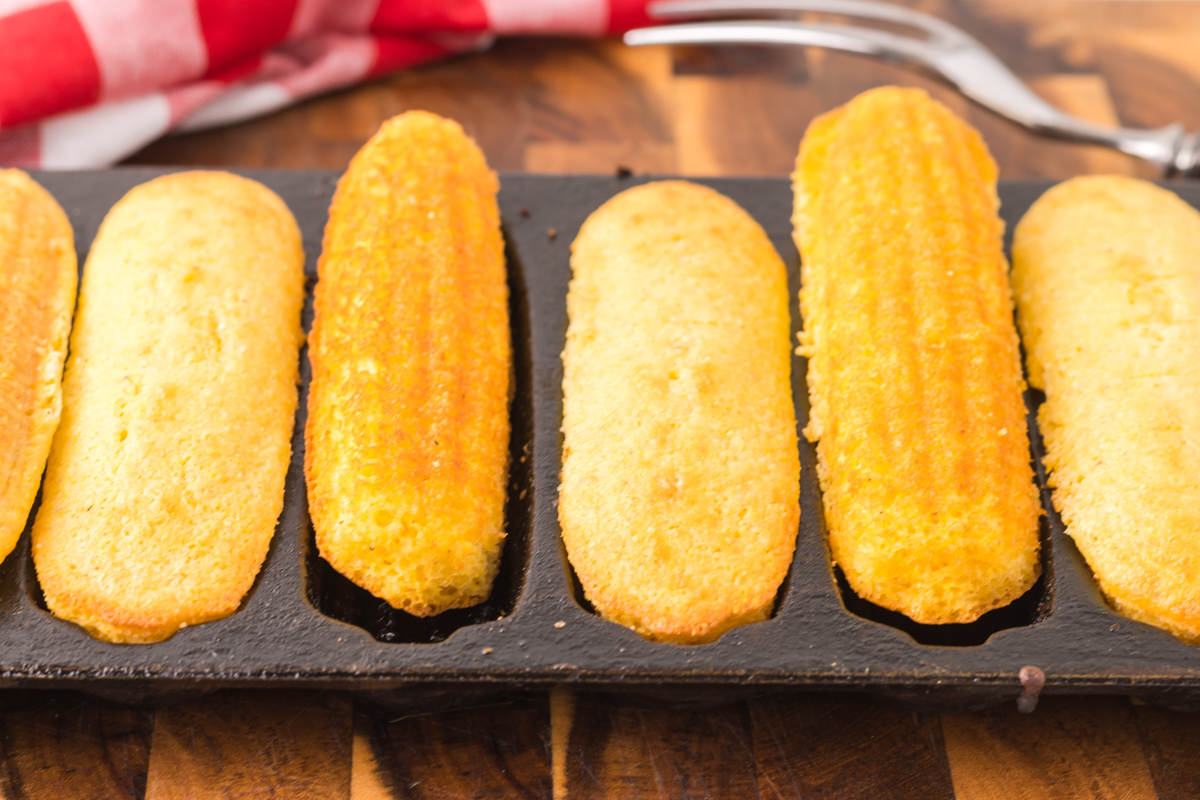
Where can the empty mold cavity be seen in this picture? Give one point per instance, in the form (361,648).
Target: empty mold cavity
(19,573)
(336,596)
(1029,609)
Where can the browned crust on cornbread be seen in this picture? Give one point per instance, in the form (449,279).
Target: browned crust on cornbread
(1107,277)
(38,274)
(165,479)
(914,368)
(679,502)
(407,438)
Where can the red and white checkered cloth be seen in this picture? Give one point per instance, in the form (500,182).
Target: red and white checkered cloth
(84,83)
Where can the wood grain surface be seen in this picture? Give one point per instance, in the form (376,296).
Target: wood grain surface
(1071,747)
(62,745)
(556,105)
(245,744)
(495,749)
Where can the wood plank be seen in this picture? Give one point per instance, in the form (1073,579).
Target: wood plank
(496,750)
(562,721)
(1171,741)
(1086,96)
(484,92)
(1148,91)
(601,158)
(640,142)
(1012,39)
(729,126)
(819,746)
(1178,48)
(653,68)
(61,745)
(368,781)
(599,91)
(618,748)
(1070,747)
(1067,18)
(248,744)
(787,64)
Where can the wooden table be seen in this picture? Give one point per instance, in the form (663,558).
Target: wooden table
(564,106)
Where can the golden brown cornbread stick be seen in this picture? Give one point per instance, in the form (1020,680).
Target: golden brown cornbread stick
(407,439)
(166,475)
(37,295)
(679,502)
(914,370)
(1106,272)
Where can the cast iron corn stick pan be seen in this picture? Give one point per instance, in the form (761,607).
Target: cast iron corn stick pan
(302,625)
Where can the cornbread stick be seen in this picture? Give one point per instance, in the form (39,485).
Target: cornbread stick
(1106,272)
(37,296)
(914,371)
(679,502)
(407,440)
(165,478)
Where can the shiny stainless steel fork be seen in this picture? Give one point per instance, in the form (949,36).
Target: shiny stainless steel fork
(945,51)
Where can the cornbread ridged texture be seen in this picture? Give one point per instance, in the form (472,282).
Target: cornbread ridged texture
(37,295)
(679,502)
(166,475)
(1106,272)
(914,370)
(407,440)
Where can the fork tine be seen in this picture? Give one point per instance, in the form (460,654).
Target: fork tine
(866,41)
(866,9)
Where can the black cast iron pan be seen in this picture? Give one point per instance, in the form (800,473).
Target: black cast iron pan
(304,625)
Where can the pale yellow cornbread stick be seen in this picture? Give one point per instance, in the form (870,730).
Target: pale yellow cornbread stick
(914,370)
(407,438)
(1106,272)
(165,478)
(37,295)
(679,502)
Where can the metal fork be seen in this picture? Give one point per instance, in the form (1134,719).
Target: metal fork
(945,51)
